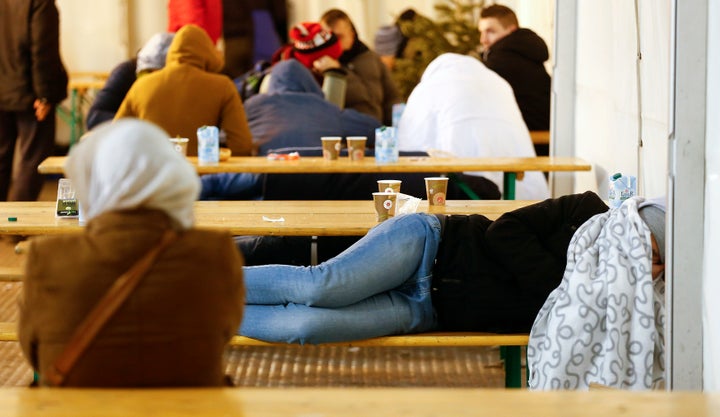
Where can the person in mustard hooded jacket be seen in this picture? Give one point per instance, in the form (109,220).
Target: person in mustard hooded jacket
(189,92)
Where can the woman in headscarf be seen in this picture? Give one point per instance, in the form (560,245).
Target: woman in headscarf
(133,188)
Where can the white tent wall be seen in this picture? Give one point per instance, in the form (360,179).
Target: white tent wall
(711,267)
(606,113)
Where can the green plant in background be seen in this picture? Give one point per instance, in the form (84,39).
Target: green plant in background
(455,30)
(458,21)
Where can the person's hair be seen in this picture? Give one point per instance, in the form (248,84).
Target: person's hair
(331,16)
(503,14)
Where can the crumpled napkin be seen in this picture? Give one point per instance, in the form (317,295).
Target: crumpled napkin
(406,204)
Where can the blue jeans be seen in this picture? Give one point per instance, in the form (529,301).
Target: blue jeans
(379,286)
(231,186)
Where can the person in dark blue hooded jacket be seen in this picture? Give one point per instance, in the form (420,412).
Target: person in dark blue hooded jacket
(292,114)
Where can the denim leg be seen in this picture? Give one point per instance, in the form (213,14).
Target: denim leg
(378,286)
(230,186)
(380,315)
(386,257)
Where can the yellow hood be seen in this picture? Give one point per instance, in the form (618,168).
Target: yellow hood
(192,46)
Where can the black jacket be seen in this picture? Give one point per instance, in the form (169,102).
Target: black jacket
(519,58)
(495,276)
(108,99)
(30,63)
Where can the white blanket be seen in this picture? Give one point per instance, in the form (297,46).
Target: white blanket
(604,323)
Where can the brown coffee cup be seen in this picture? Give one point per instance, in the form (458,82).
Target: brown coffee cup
(389,186)
(356,147)
(331,147)
(436,188)
(385,204)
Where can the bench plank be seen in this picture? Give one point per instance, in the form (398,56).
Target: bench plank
(11,273)
(512,342)
(412,340)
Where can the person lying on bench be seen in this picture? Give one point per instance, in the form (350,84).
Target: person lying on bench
(421,272)
(137,194)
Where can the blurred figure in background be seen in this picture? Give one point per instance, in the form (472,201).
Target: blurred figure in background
(517,54)
(189,92)
(33,81)
(208,14)
(463,108)
(389,41)
(252,30)
(280,119)
(370,88)
(150,58)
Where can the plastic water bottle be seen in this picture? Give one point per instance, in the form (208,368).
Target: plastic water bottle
(208,145)
(397,111)
(620,188)
(386,146)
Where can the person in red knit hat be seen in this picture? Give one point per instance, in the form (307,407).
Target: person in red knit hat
(309,41)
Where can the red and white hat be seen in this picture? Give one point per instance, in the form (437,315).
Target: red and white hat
(310,42)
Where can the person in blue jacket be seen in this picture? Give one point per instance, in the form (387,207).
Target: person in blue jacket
(292,114)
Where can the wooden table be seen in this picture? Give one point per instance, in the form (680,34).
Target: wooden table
(351,402)
(301,218)
(540,137)
(79,84)
(513,168)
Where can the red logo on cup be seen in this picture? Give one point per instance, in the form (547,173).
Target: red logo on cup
(387,204)
(439,199)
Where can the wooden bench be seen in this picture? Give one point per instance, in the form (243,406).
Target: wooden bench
(11,273)
(352,402)
(540,137)
(511,342)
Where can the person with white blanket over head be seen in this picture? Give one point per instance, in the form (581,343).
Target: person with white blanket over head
(604,323)
(463,108)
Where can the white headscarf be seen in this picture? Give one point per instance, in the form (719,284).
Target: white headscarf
(131,164)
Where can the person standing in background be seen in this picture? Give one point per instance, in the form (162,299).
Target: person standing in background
(517,54)
(33,81)
(252,31)
(208,14)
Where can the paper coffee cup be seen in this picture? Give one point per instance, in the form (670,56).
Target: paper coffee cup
(356,147)
(180,145)
(331,147)
(385,205)
(389,186)
(436,189)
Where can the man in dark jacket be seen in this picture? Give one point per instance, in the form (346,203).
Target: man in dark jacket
(32,82)
(517,55)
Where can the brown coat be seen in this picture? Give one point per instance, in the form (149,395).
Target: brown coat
(171,331)
(370,88)
(189,93)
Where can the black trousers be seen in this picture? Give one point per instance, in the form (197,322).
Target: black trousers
(24,142)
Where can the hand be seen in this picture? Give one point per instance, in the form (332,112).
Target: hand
(42,108)
(325,63)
